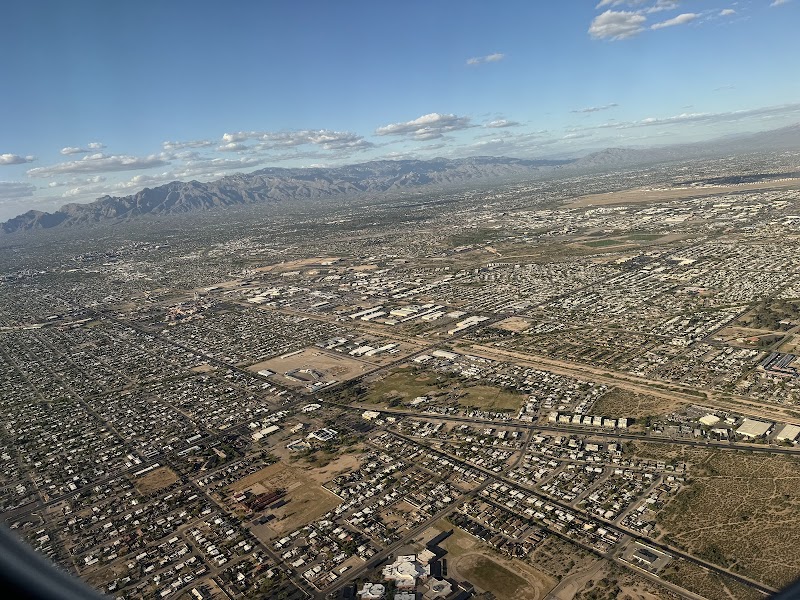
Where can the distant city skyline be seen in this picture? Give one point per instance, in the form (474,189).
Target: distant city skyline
(108,98)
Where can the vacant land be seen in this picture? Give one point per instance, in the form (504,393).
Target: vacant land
(491,576)
(740,511)
(329,366)
(612,582)
(625,403)
(155,480)
(306,500)
(603,243)
(666,195)
(515,324)
(745,337)
(707,584)
(490,398)
(405,384)
(491,572)
(644,237)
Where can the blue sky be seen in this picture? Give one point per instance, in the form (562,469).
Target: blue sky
(110,97)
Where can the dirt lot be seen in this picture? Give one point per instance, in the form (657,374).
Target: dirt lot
(306,500)
(155,480)
(741,511)
(515,324)
(624,403)
(330,366)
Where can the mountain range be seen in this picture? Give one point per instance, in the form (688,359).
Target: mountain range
(376,177)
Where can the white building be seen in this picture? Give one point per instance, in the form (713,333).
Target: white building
(788,433)
(372,591)
(752,428)
(404,571)
(709,420)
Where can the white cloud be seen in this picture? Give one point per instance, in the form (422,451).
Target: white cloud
(89,187)
(658,6)
(73,150)
(765,112)
(169,146)
(616,25)
(779,2)
(426,127)
(100,163)
(233,147)
(594,109)
(270,140)
(16,189)
(662,5)
(679,20)
(15,159)
(91,146)
(489,58)
(215,166)
(727,12)
(500,123)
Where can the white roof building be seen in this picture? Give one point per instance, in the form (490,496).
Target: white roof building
(372,591)
(404,571)
(709,420)
(788,433)
(752,428)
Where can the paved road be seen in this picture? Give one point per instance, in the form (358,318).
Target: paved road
(615,435)
(606,523)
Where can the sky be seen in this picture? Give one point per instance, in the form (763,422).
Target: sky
(100,97)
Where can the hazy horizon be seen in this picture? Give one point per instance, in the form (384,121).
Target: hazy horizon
(97,111)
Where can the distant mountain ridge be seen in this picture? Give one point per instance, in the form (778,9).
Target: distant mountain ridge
(280,185)
(376,177)
(786,138)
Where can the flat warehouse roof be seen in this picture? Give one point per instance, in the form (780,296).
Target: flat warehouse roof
(753,428)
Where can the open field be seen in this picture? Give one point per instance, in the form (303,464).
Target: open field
(315,365)
(492,577)
(741,511)
(516,324)
(306,500)
(604,243)
(665,195)
(405,384)
(745,337)
(293,265)
(155,480)
(790,345)
(558,558)
(489,398)
(489,571)
(644,237)
(624,403)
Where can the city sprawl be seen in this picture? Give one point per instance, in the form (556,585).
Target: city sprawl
(587,380)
